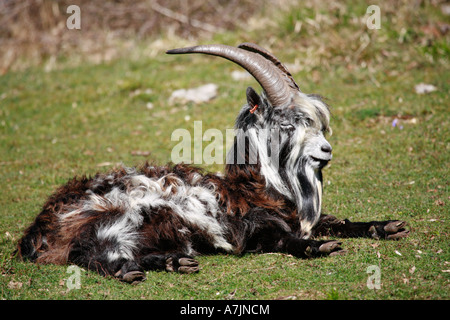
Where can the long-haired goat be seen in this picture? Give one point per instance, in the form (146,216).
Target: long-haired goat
(159,217)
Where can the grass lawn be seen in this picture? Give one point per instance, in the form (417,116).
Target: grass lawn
(82,119)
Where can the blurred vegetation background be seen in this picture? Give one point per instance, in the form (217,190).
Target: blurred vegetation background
(76,102)
(321,33)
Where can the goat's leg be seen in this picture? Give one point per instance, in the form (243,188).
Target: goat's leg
(123,269)
(89,252)
(305,248)
(174,262)
(329,225)
(271,237)
(131,272)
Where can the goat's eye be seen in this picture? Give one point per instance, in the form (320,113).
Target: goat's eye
(308,121)
(287,126)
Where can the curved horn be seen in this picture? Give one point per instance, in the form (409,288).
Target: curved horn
(277,90)
(269,56)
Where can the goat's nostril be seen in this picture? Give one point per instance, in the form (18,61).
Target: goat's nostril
(326,148)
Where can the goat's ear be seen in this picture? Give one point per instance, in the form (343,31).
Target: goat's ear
(253,99)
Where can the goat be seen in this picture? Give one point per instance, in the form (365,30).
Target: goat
(130,220)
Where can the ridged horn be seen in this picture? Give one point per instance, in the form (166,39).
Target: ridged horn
(269,56)
(268,76)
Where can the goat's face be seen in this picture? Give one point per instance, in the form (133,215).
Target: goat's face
(301,128)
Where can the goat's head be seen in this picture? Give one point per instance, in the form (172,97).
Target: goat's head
(282,113)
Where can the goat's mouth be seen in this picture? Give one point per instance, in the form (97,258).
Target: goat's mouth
(319,162)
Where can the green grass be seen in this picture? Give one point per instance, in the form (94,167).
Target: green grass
(88,118)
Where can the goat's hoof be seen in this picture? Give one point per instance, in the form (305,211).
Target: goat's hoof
(132,277)
(130,272)
(182,265)
(340,252)
(332,248)
(188,265)
(396,230)
(329,246)
(390,230)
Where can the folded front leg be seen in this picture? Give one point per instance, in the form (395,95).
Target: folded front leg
(329,225)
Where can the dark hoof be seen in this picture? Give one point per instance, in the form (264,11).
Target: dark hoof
(394,226)
(338,253)
(398,235)
(390,230)
(396,230)
(132,277)
(324,248)
(332,248)
(182,265)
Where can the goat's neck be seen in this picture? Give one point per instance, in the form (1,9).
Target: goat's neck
(296,187)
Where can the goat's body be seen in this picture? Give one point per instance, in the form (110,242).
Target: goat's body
(129,214)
